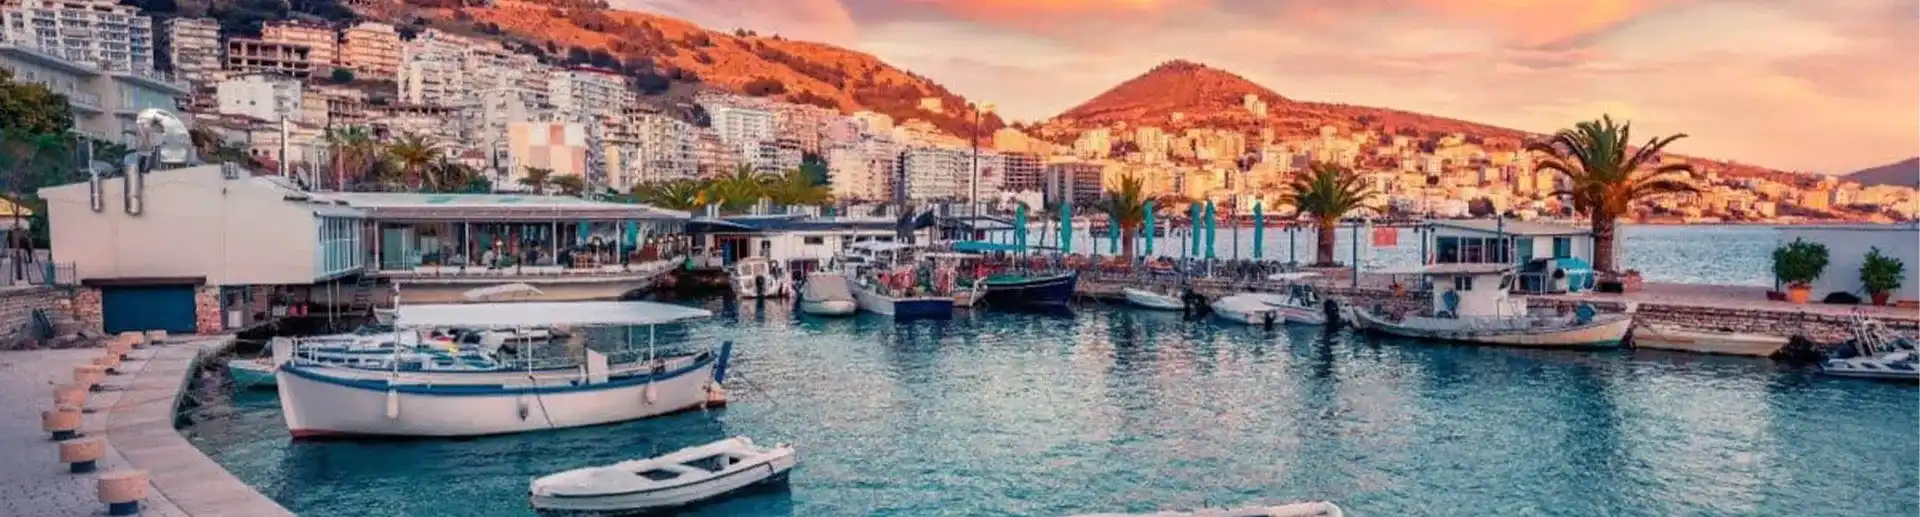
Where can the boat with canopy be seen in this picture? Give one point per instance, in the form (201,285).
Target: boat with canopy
(319,401)
(1472,303)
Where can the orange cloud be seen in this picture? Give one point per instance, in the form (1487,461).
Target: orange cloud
(1518,22)
(1022,11)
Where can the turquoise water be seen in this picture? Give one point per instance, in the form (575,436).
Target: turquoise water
(1109,410)
(1719,255)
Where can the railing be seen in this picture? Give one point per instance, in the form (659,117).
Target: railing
(632,268)
(39,273)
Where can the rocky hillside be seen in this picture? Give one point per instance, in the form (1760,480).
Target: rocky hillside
(1904,173)
(652,47)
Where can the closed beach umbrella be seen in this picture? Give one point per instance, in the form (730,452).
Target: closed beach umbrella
(586,232)
(1149,235)
(1066,228)
(1259,229)
(1113,236)
(1193,229)
(1020,228)
(1209,229)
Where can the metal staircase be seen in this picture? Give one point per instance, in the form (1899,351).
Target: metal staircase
(363,294)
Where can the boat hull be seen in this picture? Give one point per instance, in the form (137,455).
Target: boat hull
(1660,337)
(829,307)
(316,404)
(251,373)
(771,469)
(767,286)
(1245,314)
(1151,300)
(1898,366)
(1052,290)
(903,308)
(1604,332)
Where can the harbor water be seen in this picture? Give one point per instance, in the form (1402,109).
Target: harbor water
(1110,409)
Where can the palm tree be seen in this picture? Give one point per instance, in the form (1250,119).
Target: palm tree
(451,176)
(353,154)
(675,195)
(568,184)
(735,191)
(1328,191)
(796,188)
(1126,205)
(412,153)
(1604,180)
(537,178)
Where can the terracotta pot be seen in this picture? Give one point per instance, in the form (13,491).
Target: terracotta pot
(1881,298)
(1799,293)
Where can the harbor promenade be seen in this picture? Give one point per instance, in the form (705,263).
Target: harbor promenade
(134,411)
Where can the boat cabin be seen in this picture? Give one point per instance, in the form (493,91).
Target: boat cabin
(1474,290)
(1551,258)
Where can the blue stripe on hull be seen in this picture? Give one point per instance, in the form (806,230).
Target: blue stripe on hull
(922,308)
(1048,291)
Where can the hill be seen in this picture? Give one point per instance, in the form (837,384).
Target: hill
(652,47)
(1904,173)
(1203,96)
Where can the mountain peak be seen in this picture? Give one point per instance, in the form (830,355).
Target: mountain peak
(1190,89)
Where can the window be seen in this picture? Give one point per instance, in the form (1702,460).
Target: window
(1463,283)
(1562,247)
(814,241)
(1447,249)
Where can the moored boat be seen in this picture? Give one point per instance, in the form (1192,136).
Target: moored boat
(1874,353)
(827,294)
(676,479)
(1030,289)
(1246,310)
(1146,299)
(318,401)
(760,277)
(1308,509)
(883,278)
(1472,304)
(1722,342)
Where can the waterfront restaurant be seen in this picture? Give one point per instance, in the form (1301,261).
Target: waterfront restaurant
(434,247)
(800,241)
(1517,243)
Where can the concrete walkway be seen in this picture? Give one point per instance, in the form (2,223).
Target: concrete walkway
(135,412)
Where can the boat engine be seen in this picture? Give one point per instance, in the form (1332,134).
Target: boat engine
(1332,310)
(1266,319)
(760,286)
(1193,305)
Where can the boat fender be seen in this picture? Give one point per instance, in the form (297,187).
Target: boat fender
(760,286)
(1266,319)
(1584,313)
(650,395)
(520,404)
(393,404)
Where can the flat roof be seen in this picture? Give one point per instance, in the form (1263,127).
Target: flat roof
(1454,269)
(493,207)
(541,314)
(1510,227)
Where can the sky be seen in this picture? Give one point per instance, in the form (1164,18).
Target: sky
(1826,86)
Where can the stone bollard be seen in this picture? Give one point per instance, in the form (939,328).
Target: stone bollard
(110,361)
(70,394)
(155,337)
(134,339)
(122,490)
(120,347)
(82,454)
(89,374)
(62,422)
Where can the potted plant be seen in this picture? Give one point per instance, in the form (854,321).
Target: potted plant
(1881,275)
(1799,263)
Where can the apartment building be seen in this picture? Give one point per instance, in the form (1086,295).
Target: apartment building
(803,123)
(322,42)
(268,97)
(257,56)
(193,46)
(1074,182)
(863,170)
(371,50)
(935,173)
(99,33)
(103,103)
(1024,172)
(434,70)
(588,92)
(559,147)
(667,148)
(742,130)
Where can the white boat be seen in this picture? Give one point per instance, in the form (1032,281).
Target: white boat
(687,476)
(1310,509)
(1301,304)
(760,277)
(827,294)
(964,296)
(870,265)
(1874,353)
(1670,337)
(1145,299)
(321,401)
(1246,310)
(1472,303)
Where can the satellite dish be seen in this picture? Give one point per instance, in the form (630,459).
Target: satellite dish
(165,136)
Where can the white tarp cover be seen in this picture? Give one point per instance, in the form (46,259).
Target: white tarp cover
(499,291)
(824,287)
(541,314)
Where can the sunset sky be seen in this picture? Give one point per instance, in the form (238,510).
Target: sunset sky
(1818,85)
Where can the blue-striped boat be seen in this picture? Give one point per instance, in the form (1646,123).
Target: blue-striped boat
(1015,290)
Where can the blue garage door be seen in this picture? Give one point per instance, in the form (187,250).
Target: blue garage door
(164,307)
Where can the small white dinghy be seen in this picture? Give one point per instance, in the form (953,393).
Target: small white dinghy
(1722,342)
(1246,310)
(1145,299)
(1312,509)
(688,476)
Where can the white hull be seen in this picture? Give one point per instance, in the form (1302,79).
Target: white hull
(316,403)
(1899,365)
(1245,311)
(829,307)
(1665,337)
(1313,509)
(881,304)
(1605,331)
(1288,310)
(776,287)
(1151,300)
(619,487)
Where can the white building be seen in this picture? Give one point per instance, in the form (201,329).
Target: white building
(667,149)
(585,92)
(935,173)
(262,96)
(103,102)
(863,170)
(371,49)
(743,130)
(193,46)
(101,33)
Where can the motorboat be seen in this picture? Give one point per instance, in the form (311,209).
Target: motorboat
(1308,509)
(676,479)
(1146,299)
(319,401)
(1300,304)
(827,294)
(1472,303)
(1031,289)
(884,279)
(1246,310)
(966,293)
(444,356)
(1874,353)
(1721,341)
(760,277)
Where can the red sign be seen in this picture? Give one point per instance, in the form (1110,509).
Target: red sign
(1386,237)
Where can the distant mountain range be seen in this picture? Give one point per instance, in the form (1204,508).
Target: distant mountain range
(1905,173)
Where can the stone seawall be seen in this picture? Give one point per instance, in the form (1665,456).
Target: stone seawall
(16,312)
